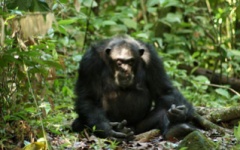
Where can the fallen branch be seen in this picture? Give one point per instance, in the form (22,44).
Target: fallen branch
(206,120)
(146,136)
(208,125)
(217,115)
(224,87)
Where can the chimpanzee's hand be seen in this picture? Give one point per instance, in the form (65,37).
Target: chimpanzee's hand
(177,113)
(120,131)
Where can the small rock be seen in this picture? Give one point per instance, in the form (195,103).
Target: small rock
(197,141)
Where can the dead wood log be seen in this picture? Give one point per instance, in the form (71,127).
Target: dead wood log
(217,115)
(203,111)
(224,115)
(208,125)
(214,77)
(146,136)
(205,118)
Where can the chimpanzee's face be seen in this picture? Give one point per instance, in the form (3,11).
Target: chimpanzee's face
(125,57)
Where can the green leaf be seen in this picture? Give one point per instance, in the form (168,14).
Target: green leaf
(41,70)
(213,54)
(235,53)
(64,1)
(237,132)
(46,106)
(119,28)
(39,5)
(5,59)
(142,35)
(235,98)
(151,3)
(129,23)
(67,21)
(172,18)
(52,64)
(223,92)
(11,17)
(196,54)
(30,109)
(62,29)
(29,53)
(238,12)
(90,3)
(77,58)
(108,22)
(202,79)
(17,4)
(169,3)
(35,145)
(54,54)
(94,128)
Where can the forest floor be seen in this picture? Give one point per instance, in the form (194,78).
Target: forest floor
(21,135)
(222,142)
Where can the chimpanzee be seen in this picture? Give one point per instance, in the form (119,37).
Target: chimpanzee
(123,89)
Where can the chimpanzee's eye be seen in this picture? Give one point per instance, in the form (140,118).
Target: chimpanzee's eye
(130,61)
(119,62)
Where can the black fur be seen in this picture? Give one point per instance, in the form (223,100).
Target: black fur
(100,101)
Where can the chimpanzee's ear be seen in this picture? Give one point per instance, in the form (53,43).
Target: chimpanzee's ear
(108,50)
(141,51)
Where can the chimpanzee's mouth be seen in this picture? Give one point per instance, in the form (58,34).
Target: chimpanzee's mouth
(124,80)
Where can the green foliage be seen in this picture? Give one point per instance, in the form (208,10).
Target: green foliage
(40,63)
(237,136)
(183,148)
(28,5)
(190,32)
(237,132)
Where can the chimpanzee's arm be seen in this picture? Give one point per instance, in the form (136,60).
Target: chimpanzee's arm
(91,114)
(171,114)
(171,108)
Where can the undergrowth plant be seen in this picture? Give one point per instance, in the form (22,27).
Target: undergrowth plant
(38,73)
